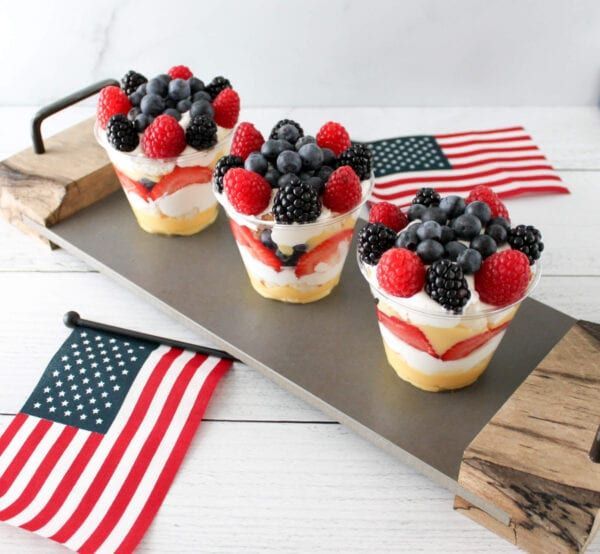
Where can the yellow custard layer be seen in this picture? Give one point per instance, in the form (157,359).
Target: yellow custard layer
(165,225)
(289,293)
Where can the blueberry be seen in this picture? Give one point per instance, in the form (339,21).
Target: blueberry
(142,121)
(184,105)
(502,221)
(265,238)
(466,226)
(286,179)
(304,140)
(429,230)
(430,250)
(201,95)
(202,107)
(135,98)
(415,211)
(447,234)
(312,156)
(170,103)
(316,183)
(324,172)
(480,210)
(453,205)
(292,259)
(329,157)
(408,238)
(288,132)
(453,249)
(179,89)
(196,85)
(272,176)
(497,232)
(484,244)
(173,113)
(434,213)
(141,89)
(148,183)
(133,113)
(256,162)
(166,79)
(152,104)
(272,148)
(469,260)
(156,86)
(306,174)
(289,161)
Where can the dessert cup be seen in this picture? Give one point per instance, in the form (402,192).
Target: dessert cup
(172,196)
(437,351)
(315,252)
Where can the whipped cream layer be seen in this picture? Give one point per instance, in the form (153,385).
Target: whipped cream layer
(195,197)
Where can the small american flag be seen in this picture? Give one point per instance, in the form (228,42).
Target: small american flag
(90,457)
(507,160)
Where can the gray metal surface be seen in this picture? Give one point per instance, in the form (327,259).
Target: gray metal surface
(329,353)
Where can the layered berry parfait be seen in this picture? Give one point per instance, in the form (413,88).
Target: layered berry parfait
(164,137)
(293,201)
(448,277)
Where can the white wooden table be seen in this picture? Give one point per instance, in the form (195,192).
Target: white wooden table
(267,473)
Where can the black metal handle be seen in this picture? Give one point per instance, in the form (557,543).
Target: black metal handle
(50,109)
(72,319)
(595,450)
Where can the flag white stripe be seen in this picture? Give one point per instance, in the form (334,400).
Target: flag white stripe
(152,473)
(53,480)
(90,471)
(490,136)
(453,150)
(131,453)
(17,441)
(532,151)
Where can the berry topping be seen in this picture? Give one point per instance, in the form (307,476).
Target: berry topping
(289,162)
(469,260)
(327,252)
(434,213)
(408,238)
(480,210)
(415,211)
(164,138)
(360,158)
(311,155)
(389,215)
(246,139)
(275,130)
(152,104)
(503,278)
(526,239)
(466,226)
(121,133)
(180,72)
(333,136)
(401,272)
(256,162)
(485,245)
(427,197)
(487,195)
(217,85)
(296,202)
(131,81)
(497,232)
(373,240)
(201,133)
(223,166)
(429,230)
(454,249)
(202,107)
(227,108)
(430,250)
(248,192)
(453,206)
(111,101)
(342,190)
(446,285)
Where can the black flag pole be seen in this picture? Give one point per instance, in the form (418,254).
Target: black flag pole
(72,319)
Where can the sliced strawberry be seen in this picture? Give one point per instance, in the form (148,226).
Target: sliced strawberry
(132,186)
(465,347)
(181,177)
(324,252)
(408,333)
(244,236)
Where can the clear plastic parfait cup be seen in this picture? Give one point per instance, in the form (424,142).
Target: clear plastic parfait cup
(436,350)
(172,196)
(296,263)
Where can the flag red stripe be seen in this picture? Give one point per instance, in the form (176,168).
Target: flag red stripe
(499,161)
(41,474)
(168,473)
(462,176)
(533,190)
(102,478)
(147,452)
(30,444)
(489,132)
(491,151)
(483,141)
(11,431)
(66,484)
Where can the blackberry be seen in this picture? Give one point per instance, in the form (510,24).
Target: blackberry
(427,197)
(373,240)
(283,122)
(217,85)
(296,202)
(131,81)
(121,133)
(359,158)
(446,284)
(527,239)
(201,133)
(223,166)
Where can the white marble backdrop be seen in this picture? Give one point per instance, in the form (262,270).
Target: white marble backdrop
(311,52)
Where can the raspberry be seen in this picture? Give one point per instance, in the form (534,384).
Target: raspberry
(503,278)
(388,214)
(227,108)
(487,195)
(248,192)
(333,136)
(180,72)
(112,101)
(342,190)
(246,139)
(163,138)
(401,272)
